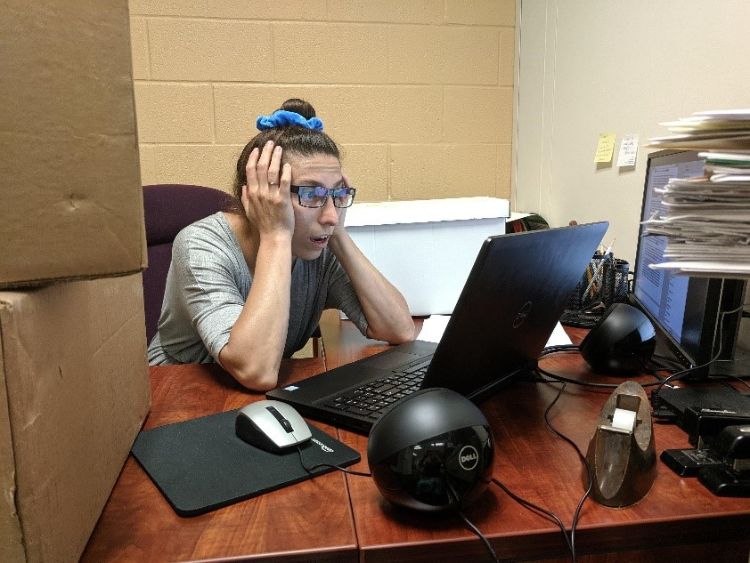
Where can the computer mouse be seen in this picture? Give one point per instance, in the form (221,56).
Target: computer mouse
(271,425)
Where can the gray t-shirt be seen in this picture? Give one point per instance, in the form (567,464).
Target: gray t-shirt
(207,286)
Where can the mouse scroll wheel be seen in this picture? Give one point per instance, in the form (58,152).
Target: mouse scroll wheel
(285,424)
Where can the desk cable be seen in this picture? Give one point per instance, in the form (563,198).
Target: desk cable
(546,376)
(549,515)
(584,461)
(473,528)
(470,525)
(332,466)
(683,373)
(549,377)
(652,370)
(724,378)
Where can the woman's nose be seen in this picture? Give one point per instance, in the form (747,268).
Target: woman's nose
(329,214)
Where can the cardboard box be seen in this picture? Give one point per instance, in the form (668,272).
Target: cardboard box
(74,391)
(72,203)
(426,248)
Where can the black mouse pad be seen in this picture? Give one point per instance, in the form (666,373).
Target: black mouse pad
(200,465)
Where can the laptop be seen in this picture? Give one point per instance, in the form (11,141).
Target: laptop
(512,299)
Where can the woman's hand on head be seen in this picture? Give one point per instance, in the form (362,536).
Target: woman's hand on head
(342,211)
(265,196)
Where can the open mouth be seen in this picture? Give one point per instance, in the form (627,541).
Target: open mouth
(322,239)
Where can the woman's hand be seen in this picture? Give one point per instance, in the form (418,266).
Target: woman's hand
(256,341)
(385,309)
(339,229)
(265,196)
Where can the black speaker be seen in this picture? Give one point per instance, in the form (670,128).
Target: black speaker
(432,451)
(621,342)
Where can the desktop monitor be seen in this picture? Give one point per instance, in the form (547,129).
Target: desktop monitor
(685,310)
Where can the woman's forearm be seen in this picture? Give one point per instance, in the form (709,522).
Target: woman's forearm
(256,342)
(384,307)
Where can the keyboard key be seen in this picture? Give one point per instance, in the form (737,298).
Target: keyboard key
(416,368)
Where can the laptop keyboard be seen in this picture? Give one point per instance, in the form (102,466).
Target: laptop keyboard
(373,398)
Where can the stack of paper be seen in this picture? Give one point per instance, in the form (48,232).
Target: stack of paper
(707,219)
(708,130)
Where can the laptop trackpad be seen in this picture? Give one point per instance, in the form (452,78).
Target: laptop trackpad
(390,360)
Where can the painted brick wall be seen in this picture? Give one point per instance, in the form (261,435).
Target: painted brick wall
(419,93)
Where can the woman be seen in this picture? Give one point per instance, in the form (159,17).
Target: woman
(247,286)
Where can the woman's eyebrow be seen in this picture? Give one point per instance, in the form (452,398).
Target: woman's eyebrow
(316,183)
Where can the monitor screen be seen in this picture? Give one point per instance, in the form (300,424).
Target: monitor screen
(684,309)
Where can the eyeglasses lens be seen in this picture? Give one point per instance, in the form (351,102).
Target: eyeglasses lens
(316,196)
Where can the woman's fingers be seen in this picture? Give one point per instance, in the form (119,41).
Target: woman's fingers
(251,177)
(245,200)
(286,179)
(261,168)
(273,168)
(266,194)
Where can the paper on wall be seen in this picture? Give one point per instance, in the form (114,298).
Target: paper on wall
(628,151)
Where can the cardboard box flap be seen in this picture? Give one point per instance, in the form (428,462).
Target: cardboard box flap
(426,211)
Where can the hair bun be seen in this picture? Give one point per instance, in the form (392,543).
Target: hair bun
(299,106)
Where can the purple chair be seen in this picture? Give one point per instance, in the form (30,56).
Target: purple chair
(168,208)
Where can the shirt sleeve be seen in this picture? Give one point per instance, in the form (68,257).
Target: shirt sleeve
(210,289)
(341,295)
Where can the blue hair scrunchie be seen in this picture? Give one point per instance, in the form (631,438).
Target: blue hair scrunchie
(283,117)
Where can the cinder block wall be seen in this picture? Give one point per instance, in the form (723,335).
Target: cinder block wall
(419,93)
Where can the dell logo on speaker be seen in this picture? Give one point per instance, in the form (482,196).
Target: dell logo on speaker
(468,458)
(522,315)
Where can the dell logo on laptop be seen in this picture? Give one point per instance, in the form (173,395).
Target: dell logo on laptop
(522,315)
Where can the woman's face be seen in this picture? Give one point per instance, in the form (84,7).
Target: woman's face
(314,226)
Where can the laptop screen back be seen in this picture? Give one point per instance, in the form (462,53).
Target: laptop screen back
(509,306)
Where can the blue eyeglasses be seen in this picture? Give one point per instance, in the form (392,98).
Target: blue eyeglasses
(316,196)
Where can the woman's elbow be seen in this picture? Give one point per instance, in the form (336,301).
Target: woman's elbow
(253,376)
(256,381)
(397,335)
(407,335)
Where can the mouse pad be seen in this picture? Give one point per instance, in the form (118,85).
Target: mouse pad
(200,465)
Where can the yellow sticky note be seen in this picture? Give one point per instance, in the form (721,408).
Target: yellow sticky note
(605,148)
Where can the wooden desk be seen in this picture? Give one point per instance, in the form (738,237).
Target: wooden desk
(311,520)
(678,520)
(337,517)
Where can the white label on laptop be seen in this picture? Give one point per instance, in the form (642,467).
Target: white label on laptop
(434,326)
(558,337)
